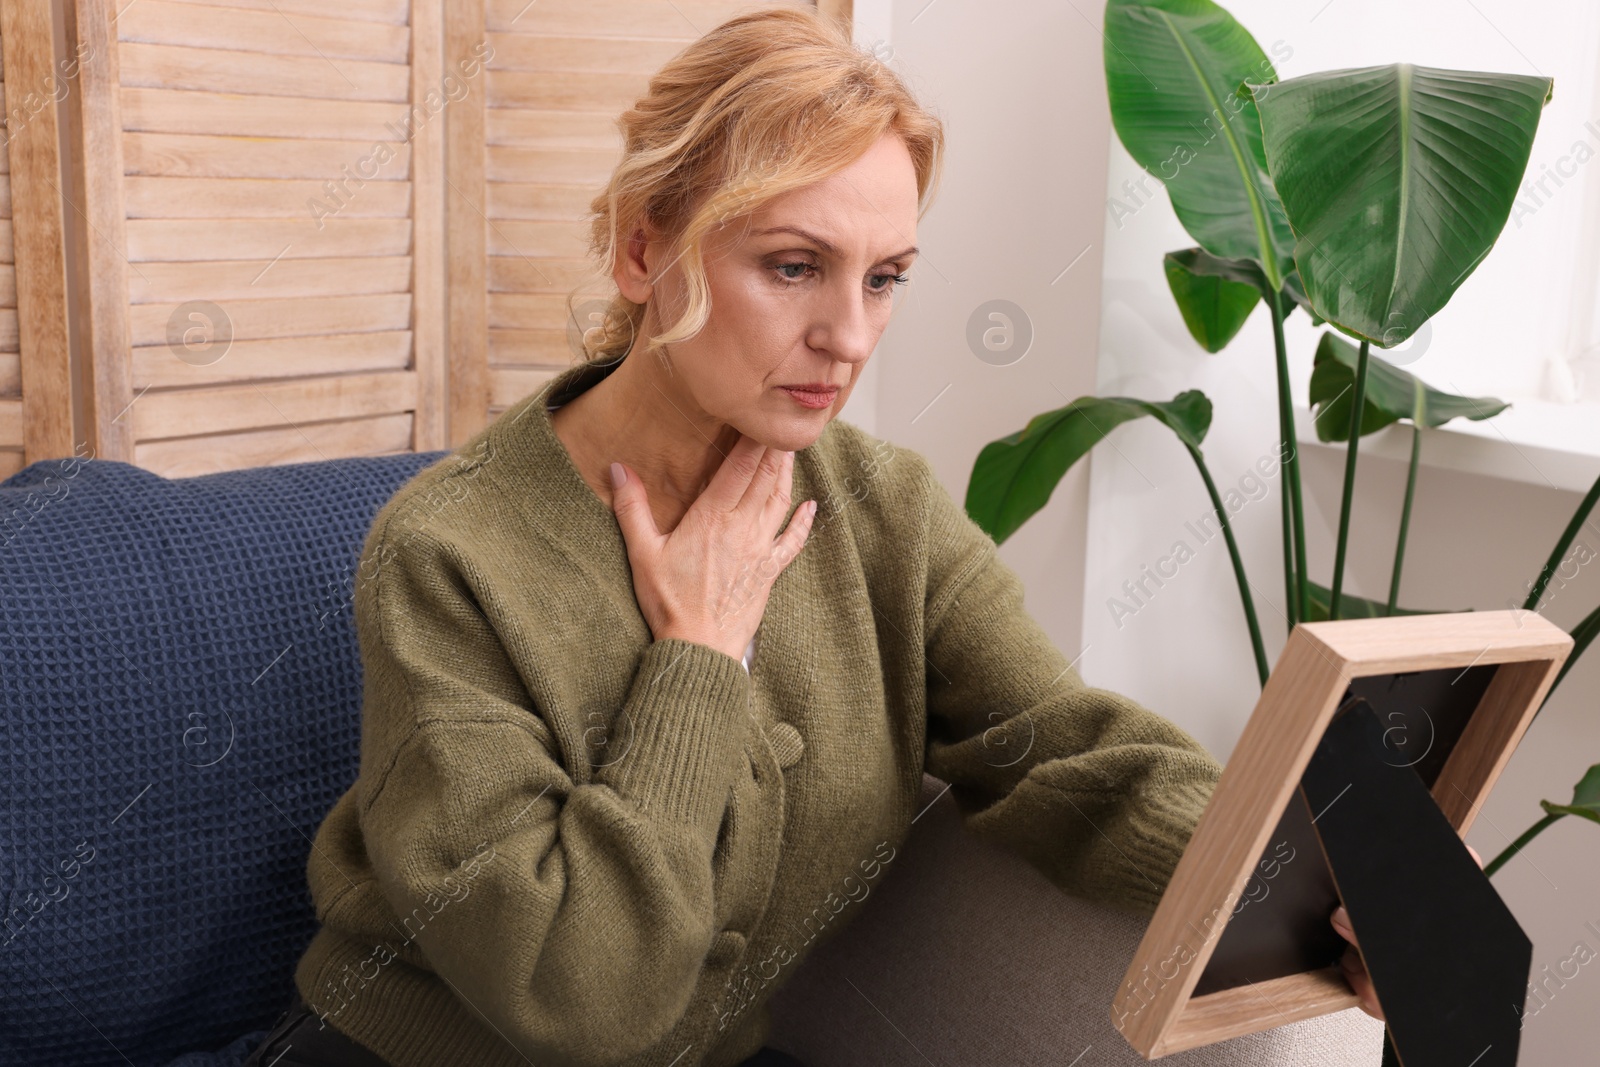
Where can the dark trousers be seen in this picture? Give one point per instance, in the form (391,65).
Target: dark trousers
(300,1039)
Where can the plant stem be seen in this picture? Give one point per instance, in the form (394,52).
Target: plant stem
(1294,523)
(1291,606)
(1562,545)
(1358,404)
(1405,518)
(1516,846)
(1238,566)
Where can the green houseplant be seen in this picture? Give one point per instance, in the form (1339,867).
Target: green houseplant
(1364,197)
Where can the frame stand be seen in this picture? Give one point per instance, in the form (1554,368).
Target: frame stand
(1448,959)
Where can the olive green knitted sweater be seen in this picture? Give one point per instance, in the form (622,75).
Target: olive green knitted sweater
(569,844)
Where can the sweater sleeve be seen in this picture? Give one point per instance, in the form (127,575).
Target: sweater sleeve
(576,914)
(1095,791)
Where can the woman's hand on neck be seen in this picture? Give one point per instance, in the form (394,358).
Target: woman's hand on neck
(635,416)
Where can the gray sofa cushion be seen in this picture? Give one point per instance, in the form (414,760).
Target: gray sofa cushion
(964,954)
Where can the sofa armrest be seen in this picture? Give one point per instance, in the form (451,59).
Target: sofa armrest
(965,954)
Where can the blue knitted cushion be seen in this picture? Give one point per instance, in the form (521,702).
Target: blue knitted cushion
(180,700)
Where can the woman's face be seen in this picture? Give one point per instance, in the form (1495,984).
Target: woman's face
(801,291)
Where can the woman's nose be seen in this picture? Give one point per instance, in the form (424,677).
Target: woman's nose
(849,330)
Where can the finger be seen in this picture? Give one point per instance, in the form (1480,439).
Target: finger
(631,503)
(779,497)
(772,465)
(733,476)
(795,535)
(1355,973)
(1475,855)
(1341,923)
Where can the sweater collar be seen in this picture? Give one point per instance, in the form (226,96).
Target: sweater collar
(540,475)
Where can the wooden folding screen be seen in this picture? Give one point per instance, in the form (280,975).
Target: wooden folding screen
(263,229)
(526,157)
(35,378)
(255,234)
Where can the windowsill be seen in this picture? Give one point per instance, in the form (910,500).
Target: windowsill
(1533,441)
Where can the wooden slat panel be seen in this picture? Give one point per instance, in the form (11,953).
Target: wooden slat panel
(8,285)
(271,405)
(182,111)
(206,239)
(509,385)
(221,70)
(428,309)
(187,456)
(295,357)
(37,320)
(526,311)
(529,346)
(274,166)
(578,91)
(520,274)
(10,463)
(466,222)
(199,156)
(11,423)
(204,26)
(507,164)
(391,11)
(528,200)
(5,195)
(104,296)
(530,51)
(518,237)
(592,130)
(239,198)
(252,279)
(677,19)
(10,374)
(8,245)
(253,319)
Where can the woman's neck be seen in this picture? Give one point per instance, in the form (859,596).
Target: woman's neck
(636,416)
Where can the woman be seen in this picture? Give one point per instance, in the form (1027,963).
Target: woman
(634,720)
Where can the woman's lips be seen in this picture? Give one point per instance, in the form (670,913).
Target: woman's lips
(811,398)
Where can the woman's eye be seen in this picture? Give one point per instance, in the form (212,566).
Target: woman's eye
(792,266)
(889,282)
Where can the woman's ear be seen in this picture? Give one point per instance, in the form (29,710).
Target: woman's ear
(632,273)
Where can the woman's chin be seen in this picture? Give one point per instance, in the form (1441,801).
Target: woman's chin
(793,433)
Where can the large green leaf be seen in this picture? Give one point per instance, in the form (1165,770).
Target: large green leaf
(1391,394)
(1213,306)
(1013,477)
(1397,180)
(1350,607)
(1293,294)
(1208,296)
(1585,798)
(1174,74)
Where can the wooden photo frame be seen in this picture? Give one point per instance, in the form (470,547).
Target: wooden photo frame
(1460,689)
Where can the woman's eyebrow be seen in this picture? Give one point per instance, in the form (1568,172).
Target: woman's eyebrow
(827,246)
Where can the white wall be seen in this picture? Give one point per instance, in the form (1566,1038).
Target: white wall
(1017,218)
(1475,540)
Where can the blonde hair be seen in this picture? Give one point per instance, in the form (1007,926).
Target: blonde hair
(769,101)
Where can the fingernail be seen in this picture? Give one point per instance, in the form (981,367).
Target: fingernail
(618,476)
